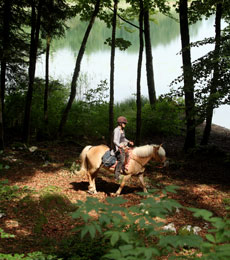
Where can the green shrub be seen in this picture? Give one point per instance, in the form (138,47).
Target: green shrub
(73,248)
(88,120)
(30,256)
(137,232)
(7,192)
(164,119)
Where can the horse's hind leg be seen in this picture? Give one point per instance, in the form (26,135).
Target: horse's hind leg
(125,178)
(141,178)
(92,185)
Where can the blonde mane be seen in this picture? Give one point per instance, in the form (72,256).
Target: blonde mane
(147,150)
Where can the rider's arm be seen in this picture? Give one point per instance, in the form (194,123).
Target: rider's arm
(116,137)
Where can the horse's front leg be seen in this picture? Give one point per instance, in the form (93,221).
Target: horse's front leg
(124,179)
(141,178)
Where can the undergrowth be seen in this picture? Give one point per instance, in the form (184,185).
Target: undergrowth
(111,230)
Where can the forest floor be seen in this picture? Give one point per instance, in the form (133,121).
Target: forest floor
(38,219)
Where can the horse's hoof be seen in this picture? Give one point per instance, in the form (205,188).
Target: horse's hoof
(91,192)
(114,195)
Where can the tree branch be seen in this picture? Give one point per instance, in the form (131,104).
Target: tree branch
(123,19)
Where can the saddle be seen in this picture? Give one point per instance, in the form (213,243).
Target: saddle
(110,160)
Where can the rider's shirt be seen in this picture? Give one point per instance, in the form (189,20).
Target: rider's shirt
(118,138)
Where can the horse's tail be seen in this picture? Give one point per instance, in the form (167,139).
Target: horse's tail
(83,160)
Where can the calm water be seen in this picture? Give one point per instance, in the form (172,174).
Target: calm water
(96,62)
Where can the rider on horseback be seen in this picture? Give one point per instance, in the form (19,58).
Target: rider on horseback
(119,142)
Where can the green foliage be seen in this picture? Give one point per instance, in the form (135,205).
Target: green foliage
(73,248)
(88,121)
(133,233)
(217,244)
(4,235)
(8,192)
(164,119)
(137,233)
(122,44)
(98,95)
(30,256)
(58,94)
(15,103)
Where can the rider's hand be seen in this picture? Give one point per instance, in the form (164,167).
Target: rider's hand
(131,143)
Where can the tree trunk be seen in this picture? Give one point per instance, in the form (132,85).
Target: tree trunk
(46,93)
(1,126)
(35,29)
(211,100)
(188,77)
(5,43)
(140,57)
(77,70)
(149,59)
(112,60)
(2,91)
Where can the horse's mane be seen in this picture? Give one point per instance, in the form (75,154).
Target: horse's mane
(146,150)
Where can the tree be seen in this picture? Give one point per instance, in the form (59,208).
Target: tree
(94,13)
(143,8)
(215,80)
(112,59)
(210,72)
(52,25)
(149,57)
(188,76)
(7,5)
(139,65)
(13,50)
(36,8)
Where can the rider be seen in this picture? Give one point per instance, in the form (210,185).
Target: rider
(119,141)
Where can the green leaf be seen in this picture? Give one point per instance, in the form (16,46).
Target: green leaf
(210,238)
(114,254)
(180,241)
(224,249)
(125,237)
(116,201)
(84,231)
(171,188)
(92,231)
(4,181)
(205,214)
(114,238)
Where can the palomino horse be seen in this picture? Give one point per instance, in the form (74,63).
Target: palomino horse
(91,162)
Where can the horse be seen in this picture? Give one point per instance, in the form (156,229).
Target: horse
(91,163)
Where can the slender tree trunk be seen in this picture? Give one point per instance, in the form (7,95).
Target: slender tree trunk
(188,78)
(140,57)
(211,99)
(2,91)
(77,70)
(5,45)
(46,93)
(112,68)
(35,29)
(149,59)
(1,126)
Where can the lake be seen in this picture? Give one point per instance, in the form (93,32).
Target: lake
(167,62)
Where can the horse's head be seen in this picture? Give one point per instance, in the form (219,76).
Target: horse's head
(159,155)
